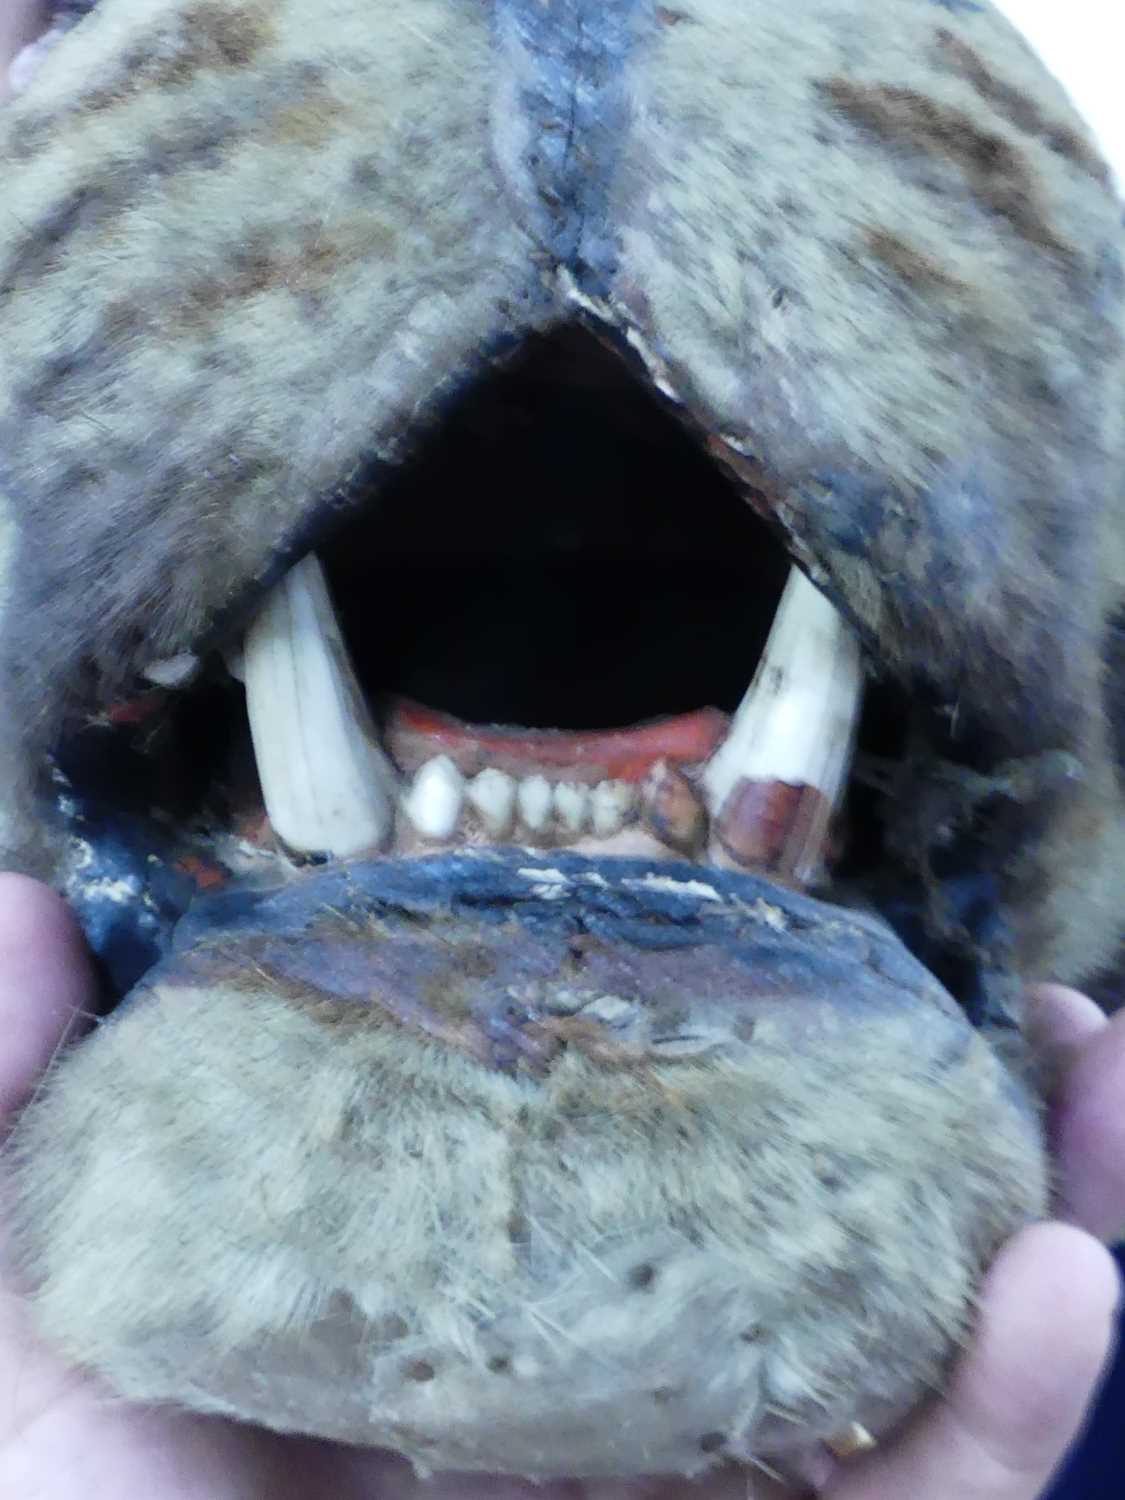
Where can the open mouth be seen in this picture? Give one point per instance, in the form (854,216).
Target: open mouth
(557,627)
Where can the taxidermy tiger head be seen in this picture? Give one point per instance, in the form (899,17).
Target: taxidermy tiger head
(562,631)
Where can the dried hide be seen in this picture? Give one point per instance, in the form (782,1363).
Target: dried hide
(533,1130)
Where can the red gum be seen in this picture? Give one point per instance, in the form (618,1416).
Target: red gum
(416,733)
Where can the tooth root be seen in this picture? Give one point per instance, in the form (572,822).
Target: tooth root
(611,803)
(492,794)
(535,802)
(572,806)
(774,783)
(436,798)
(673,810)
(328,787)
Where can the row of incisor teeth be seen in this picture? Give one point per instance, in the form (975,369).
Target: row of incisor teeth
(768,793)
(439,797)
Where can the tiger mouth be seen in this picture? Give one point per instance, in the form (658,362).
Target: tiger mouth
(561,631)
(536,615)
(615,654)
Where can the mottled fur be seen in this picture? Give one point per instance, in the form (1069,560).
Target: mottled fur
(220,380)
(872,252)
(364,1235)
(878,253)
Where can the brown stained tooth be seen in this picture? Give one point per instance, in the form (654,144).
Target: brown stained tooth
(673,810)
(327,785)
(772,826)
(774,784)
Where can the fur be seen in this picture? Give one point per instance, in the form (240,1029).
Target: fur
(611,1271)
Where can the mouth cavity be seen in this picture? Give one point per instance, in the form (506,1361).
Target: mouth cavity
(531,598)
(557,626)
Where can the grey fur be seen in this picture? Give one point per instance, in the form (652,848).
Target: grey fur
(600,1267)
(244,248)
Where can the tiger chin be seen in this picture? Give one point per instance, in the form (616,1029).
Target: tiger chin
(562,630)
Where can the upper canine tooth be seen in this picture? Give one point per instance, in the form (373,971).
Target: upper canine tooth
(328,787)
(774,783)
(493,794)
(436,798)
(610,805)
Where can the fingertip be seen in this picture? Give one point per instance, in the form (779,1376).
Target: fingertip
(1073,1274)
(47,982)
(1061,1018)
(20,21)
(1045,1329)
(1019,1395)
(1089,1133)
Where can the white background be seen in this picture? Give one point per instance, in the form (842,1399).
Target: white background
(1083,43)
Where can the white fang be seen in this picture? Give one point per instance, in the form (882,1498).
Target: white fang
(328,787)
(796,723)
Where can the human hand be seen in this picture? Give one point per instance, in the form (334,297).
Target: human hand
(1013,1407)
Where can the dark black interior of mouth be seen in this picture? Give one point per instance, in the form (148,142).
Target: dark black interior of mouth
(559,554)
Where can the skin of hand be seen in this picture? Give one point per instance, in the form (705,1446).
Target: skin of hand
(20,22)
(1015,1403)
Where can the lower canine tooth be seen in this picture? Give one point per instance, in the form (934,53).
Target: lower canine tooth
(493,795)
(610,805)
(327,785)
(774,782)
(434,802)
